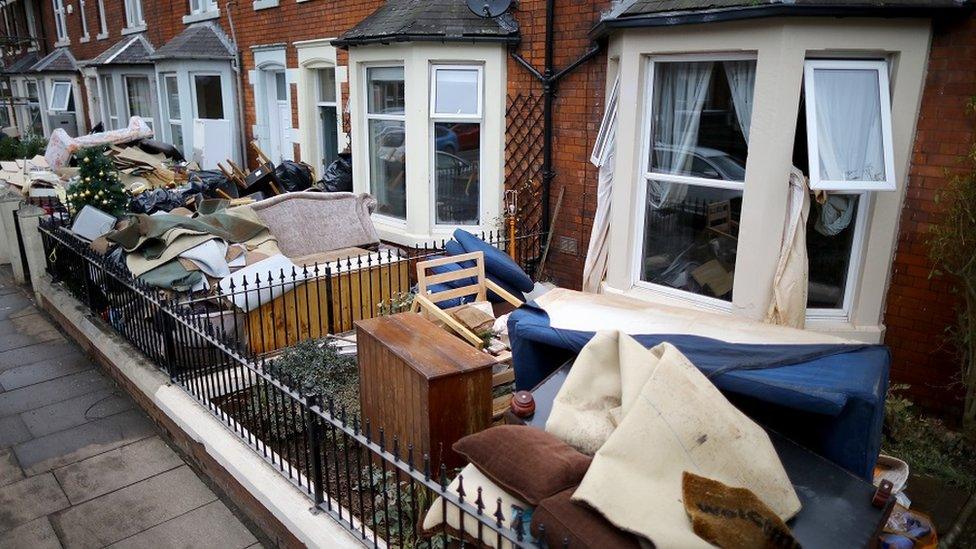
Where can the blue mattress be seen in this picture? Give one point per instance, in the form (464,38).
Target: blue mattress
(828,397)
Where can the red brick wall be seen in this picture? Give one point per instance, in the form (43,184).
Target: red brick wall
(577,112)
(920,307)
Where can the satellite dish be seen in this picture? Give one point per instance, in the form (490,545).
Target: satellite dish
(489,8)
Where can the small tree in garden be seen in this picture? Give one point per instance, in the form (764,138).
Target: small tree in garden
(952,247)
(98,184)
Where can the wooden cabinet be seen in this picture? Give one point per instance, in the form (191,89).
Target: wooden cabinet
(422,384)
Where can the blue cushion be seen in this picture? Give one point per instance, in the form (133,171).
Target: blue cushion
(453,247)
(448,303)
(497,263)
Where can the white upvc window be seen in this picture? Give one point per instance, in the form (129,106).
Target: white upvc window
(60,96)
(848,113)
(111,103)
(173,113)
(102,23)
(60,24)
(327,114)
(84,20)
(133,14)
(695,144)
(456,105)
(202,6)
(138,94)
(385,122)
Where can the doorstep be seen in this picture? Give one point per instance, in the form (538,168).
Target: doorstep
(271,501)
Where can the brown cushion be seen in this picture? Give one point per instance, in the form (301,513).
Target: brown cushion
(563,519)
(524,461)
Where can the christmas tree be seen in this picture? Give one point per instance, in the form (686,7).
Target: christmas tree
(98,184)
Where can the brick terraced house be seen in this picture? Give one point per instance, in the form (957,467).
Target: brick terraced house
(715,102)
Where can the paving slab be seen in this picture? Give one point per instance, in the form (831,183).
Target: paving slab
(212,526)
(49,392)
(109,471)
(30,354)
(28,499)
(9,468)
(33,323)
(76,411)
(36,534)
(46,370)
(81,442)
(126,512)
(12,431)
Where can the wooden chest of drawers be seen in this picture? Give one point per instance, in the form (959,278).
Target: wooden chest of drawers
(422,384)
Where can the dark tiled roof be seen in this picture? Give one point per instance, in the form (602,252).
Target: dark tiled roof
(428,20)
(626,13)
(22,64)
(198,41)
(59,60)
(131,50)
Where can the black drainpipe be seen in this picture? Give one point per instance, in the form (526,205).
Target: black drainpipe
(549,79)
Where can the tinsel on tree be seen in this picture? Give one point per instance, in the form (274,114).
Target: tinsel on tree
(98,183)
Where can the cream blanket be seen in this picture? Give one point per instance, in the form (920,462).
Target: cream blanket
(650,415)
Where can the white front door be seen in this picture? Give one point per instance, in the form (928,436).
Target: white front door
(279,110)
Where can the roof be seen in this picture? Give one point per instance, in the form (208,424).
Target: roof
(639,13)
(59,60)
(203,40)
(428,20)
(131,50)
(22,64)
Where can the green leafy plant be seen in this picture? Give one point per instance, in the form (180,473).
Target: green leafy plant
(400,302)
(28,146)
(925,443)
(952,248)
(315,367)
(98,184)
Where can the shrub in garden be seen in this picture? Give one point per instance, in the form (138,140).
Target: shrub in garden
(315,367)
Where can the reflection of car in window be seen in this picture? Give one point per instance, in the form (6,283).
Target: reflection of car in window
(392,137)
(707,163)
(453,166)
(445,140)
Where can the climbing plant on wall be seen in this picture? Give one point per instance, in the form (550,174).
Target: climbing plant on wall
(952,248)
(98,184)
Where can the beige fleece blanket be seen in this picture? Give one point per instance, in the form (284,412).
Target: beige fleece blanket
(649,415)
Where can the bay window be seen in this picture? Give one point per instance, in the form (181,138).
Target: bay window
(385,126)
(455,112)
(111,105)
(696,143)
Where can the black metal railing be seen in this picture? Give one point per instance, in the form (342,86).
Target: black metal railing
(378,488)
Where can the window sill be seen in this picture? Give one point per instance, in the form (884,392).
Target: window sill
(265,4)
(62,43)
(835,327)
(83,40)
(134,30)
(101,36)
(197,17)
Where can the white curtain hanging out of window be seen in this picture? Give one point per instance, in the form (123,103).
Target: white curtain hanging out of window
(595,267)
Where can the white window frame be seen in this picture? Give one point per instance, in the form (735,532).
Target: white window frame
(84,21)
(60,21)
(433,93)
(102,23)
(193,92)
(319,103)
(67,98)
(854,265)
(164,104)
(134,15)
(816,183)
(644,174)
(198,7)
(433,119)
(367,117)
(111,101)
(151,121)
